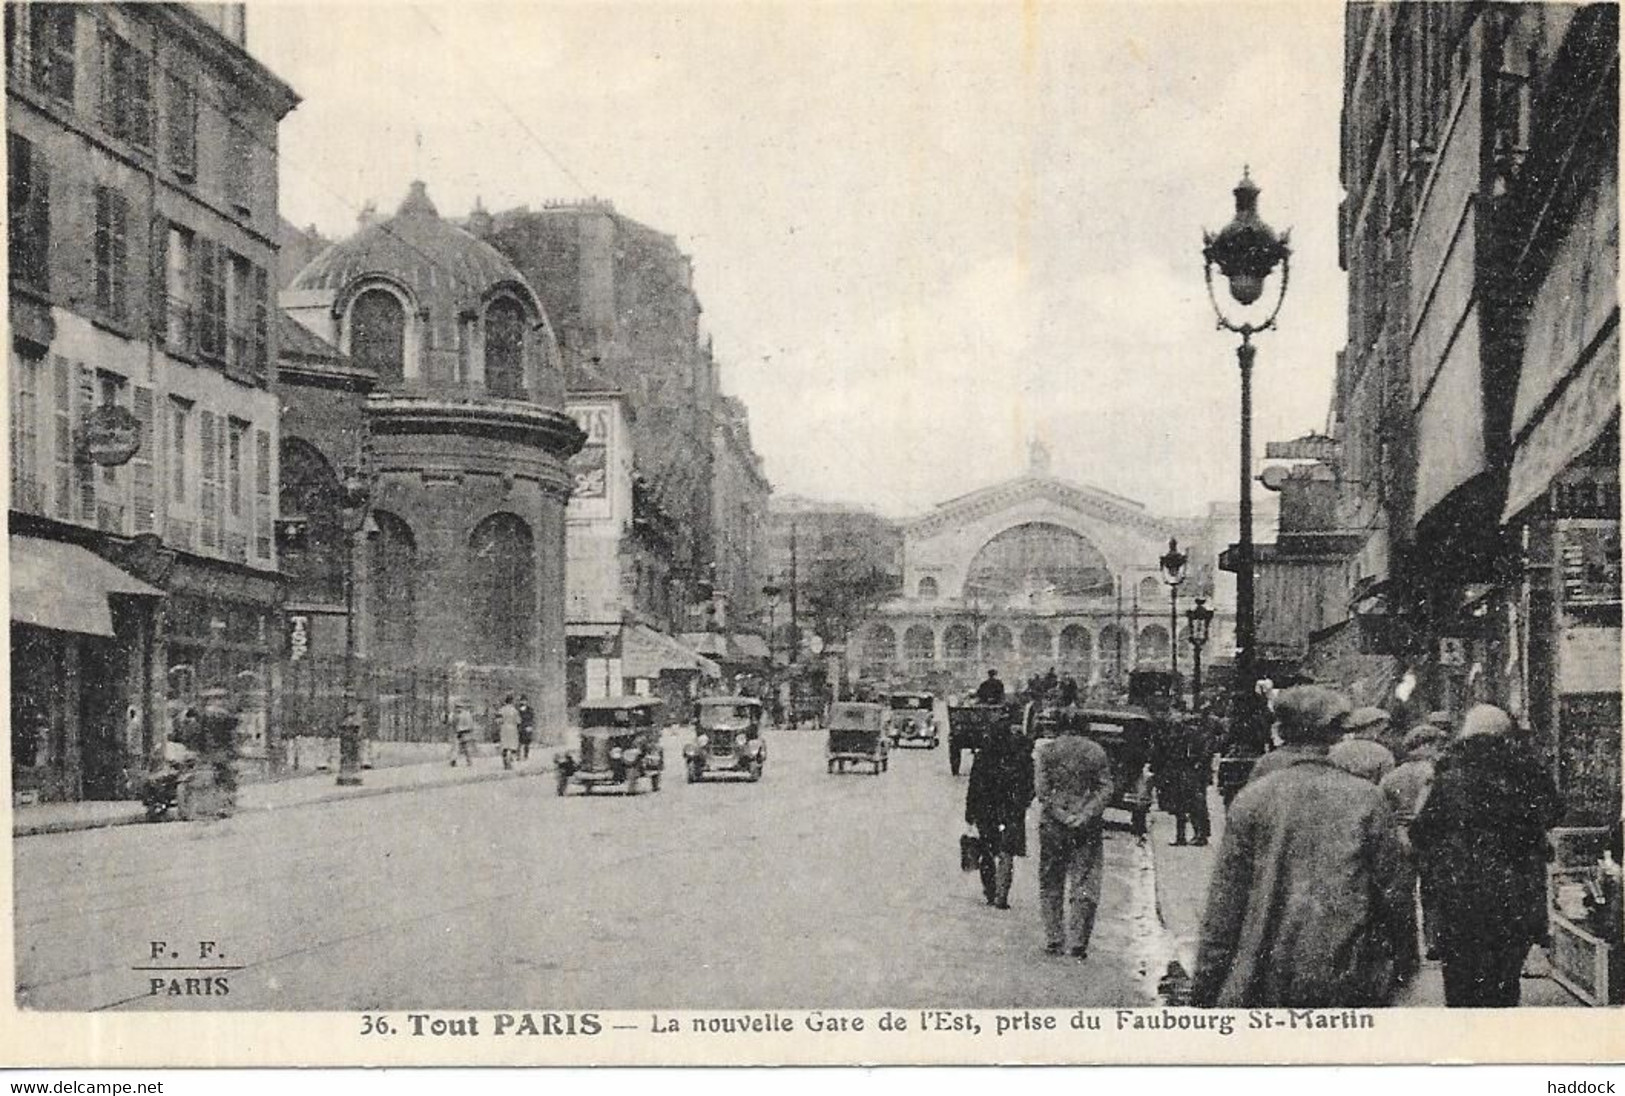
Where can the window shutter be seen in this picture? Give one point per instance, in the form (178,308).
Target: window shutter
(143,496)
(62,431)
(262,325)
(158,280)
(262,494)
(209,479)
(39,222)
(209,284)
(84,470)
(120,256)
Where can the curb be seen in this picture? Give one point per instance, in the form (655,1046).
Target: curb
(335,795)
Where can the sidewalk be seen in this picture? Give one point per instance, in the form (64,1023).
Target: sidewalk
(296,791)
(1182,879)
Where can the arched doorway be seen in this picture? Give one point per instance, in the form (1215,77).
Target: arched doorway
(919,644)
(1076,645)
(1153,645)
(314,561)
(392,565)
(502,572)
(1037,642)
(958,644)
(997,642)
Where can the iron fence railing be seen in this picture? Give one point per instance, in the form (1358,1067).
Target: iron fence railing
(400,703)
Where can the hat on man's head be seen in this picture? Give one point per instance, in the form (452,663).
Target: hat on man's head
(1485,719)
(1421,737)
(1310,713)
(1363,719)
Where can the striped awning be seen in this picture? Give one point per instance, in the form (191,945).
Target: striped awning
(646,652)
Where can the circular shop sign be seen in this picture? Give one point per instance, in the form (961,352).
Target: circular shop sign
(111,436)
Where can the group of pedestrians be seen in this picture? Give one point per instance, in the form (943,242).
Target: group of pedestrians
(516,731)
(1313,896)
(1070,777)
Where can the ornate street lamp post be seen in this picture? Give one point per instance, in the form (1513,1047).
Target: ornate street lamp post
(772,592)
(355,502)
(1173,573)
(1199,617)
(1246,251)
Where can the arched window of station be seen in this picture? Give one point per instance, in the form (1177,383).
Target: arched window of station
(928,587)
(1076,644)
(502,605)
(1038,558)
(919,644)
(1153,645)
(378,333)
(313,560)
(1116,646)
(392,569)
(958,643)
(997,642)
(1037,642)
(879,648)
(1152,591)
(505,348)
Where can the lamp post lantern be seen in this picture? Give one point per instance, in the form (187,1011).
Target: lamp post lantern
(1246,251)
(1199,617)
(1173,563)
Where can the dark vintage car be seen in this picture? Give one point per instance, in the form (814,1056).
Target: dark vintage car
(912,719)
(968,725)
(1125,733)
(727,738)
(620,745)
(857,736)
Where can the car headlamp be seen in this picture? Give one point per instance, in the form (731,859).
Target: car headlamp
(739,739)
(614,753)
(703,740)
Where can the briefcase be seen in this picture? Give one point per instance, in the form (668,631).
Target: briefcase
(970,852)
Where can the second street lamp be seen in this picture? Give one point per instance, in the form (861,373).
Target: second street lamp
(1173,564)
(356,510)
(1199,617)
(1246,251)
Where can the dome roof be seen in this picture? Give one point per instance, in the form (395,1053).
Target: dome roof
(447,269)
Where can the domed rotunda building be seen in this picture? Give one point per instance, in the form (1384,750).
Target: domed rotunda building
(434,379)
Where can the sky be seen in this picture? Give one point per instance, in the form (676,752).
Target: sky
(923,235)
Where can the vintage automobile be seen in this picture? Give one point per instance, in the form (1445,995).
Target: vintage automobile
(969,723)
(912,719)
(857,736)
(727,738)
(1126,735)
(620,745)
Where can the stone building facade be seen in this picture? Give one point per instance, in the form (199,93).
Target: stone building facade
(463,441)
(142,237)
(1477,401)
(1038,573)
(621,295)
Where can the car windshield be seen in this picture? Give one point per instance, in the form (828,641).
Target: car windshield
(910,703)
(724,715)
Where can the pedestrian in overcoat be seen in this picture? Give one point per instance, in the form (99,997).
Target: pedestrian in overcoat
(508,731)
(1182,762)
(1407,788)
(1483,834)
(527,726)
(996,802)
(1310,902)
(1073,781)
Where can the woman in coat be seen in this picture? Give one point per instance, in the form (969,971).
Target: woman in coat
(1001,788)
(1482,832)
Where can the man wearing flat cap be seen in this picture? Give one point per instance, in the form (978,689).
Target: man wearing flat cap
(1310,904)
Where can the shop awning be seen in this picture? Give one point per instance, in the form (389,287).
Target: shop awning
(646,652)
(1578,416)
(66,587)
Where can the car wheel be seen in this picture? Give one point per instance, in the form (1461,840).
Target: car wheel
(632,782)
(755,770)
